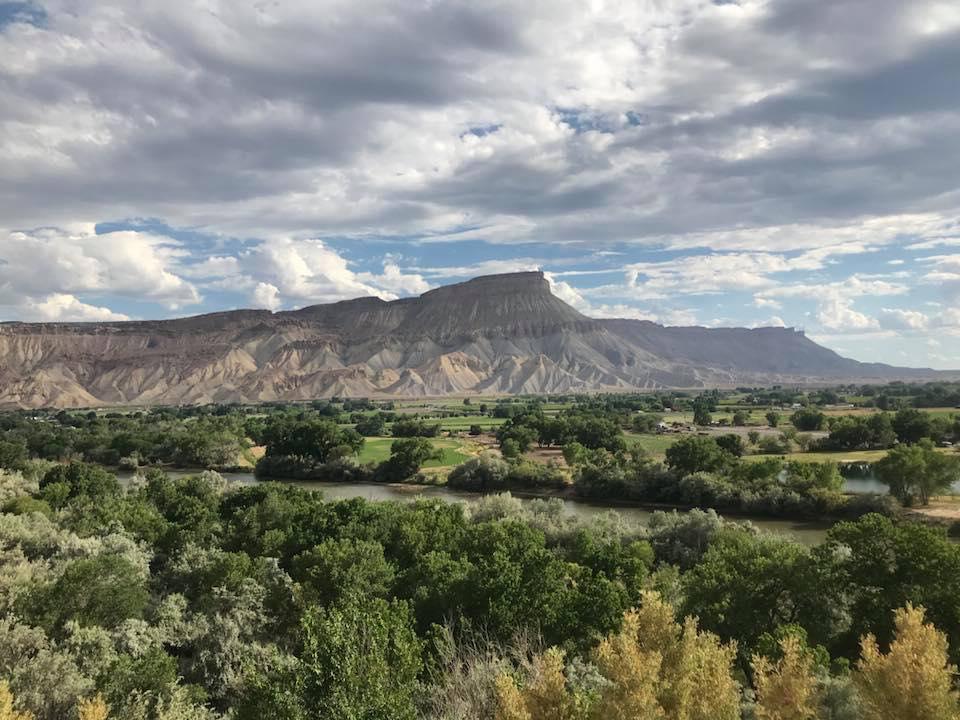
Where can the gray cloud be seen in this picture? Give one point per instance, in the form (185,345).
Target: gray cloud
(629,125)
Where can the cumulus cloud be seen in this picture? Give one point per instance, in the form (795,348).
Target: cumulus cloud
(43,271)
(79,260)
(265,295)
(61,307)
(574,297)
(897,319)
(394,280)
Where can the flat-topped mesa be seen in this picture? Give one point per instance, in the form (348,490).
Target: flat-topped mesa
(494,334)
(530,282)
(488,305)
(493,304)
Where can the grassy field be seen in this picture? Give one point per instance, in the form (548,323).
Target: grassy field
(852,457)
(655,445)
(756,417)
(463,422)
(377,450)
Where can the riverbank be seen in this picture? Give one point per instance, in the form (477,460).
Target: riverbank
(809,532)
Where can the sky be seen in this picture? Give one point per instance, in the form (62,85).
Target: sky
(691,162)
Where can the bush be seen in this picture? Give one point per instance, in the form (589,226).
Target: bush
(412,427)
(25,505)
(808,419)
(480,474)
(293,468)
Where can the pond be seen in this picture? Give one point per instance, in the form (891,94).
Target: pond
(809,533)
(861,479)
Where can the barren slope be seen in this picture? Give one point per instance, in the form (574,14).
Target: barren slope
(494,334)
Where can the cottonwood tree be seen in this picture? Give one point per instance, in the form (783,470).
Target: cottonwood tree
(914,473)
(7,710)
(788,688)
(913,681)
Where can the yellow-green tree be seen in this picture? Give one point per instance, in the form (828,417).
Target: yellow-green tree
(787,690)
(544,697)
(633,674)
(913,680)
(93,709)
(693,679)
(7,711)
(655,669)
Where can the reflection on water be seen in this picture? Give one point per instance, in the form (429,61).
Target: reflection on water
(808,533)
(861,479)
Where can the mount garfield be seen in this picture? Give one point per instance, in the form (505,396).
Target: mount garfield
(491,335)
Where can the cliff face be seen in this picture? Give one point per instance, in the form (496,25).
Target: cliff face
(494,334)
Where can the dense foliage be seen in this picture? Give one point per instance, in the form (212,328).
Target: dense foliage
(192,598)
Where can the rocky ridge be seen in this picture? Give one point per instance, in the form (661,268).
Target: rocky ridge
(498,334)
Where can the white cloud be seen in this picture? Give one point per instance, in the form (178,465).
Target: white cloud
(574,297)
(897,319)
(393,280)
(485,267)
(266,296)
(63,264)
(61,307)
(837,313)
(763,302)
(834,300)
(212,267)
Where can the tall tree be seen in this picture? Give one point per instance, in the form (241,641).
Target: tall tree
(787,689)
(913,681)
(914,473)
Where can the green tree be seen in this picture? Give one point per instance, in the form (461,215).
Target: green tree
(773,418)
(701,415)
(732,443)
(340,566)
(308,439)
(78,481)
(13,455)
(745,586)
(372,426)
(876,565)
(407,455)
(916,472)
(912,425)
(357,661)
(510,448)
(480,474)
(808,419)
(697,453)
(103,590)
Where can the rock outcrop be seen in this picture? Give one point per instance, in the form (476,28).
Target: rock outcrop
(494,335)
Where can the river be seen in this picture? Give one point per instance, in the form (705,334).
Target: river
(809,533)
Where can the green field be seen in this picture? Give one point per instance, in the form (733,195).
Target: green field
(376,450)
(851,457)
(756,416)
(463,422)
(655,445)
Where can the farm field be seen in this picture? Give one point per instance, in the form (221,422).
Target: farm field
(377,450)
(853,457)
(655,445)
(463,422)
